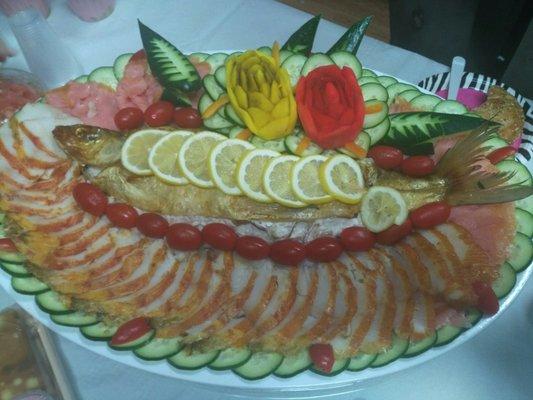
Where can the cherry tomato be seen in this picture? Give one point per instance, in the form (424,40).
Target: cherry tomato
(130,331)
(158,114)
(129,118)
(357,238)
(324,249)
(184,237)
(152,225)
(219,236)
(386,157)
(139,55)
(188,118)
(252,248)
(122,215)
(287,252)
(501,154)
(487,301)
(395,233)
(418,166)
(430,215)
(322,356)
(90,198)
(7,245)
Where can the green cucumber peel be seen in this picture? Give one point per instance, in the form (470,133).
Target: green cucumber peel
(301,41)
(352,38)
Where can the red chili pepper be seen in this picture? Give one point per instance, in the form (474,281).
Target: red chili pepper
(322,356)
(501,154)
(487,301)
(430,215)
(7,245)
(130,331)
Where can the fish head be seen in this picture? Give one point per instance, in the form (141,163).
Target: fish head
(90,145)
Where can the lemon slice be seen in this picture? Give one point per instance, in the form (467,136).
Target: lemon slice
(305,180)
(223,160)
(342,178)
(135,151)
(163,158)
(193,157)
(276,182)
(383,207)
(250,173)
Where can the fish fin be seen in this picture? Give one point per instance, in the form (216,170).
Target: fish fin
(468,182)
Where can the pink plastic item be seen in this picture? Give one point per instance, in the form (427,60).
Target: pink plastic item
(92,10)
(471,98)
(10,7)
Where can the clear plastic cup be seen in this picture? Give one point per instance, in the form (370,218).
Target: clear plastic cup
(47,56)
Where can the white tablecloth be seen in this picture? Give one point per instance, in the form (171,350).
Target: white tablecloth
(497,364)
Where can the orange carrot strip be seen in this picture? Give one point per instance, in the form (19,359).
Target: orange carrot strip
(213,108)
(304,144)
(358,151)
(373,108)
(244,134)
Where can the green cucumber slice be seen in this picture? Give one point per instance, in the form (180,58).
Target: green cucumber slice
(315,61)
(176,97)
(216,60)
(398,348)
(409,94)
(386,80)
(379,131)
(216,121)
(494,143)
(220,76)
(230,358)
(380,111)
(338,366)
(521,252)
(524,222)
(361,361)
(188,360)
(284,54)
(235,131)
(11,257)
(521,173)
(419,346)
(294,364)
(505,282)
(232,116)
(396,88)
(28,285)
(525,204)
(197,57)
(450,107)
(366,79)
(294,64)
(362,140)
(347,59)
(425,102)
(104,76)
(368,72)
(447,334)
(352,38)
(99,332)
(76,318)
(51,303)
(293,141)
(265,50)
(158,349)
(213,89)
(374,91)
(136,343)
(259,365)
(275,144)
(82,79)
(302,40)
(13,269)
(120,65)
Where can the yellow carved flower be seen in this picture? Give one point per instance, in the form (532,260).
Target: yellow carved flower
(260,92)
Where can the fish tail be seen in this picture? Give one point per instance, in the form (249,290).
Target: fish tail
(469,180)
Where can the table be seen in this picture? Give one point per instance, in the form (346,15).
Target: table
(496,364)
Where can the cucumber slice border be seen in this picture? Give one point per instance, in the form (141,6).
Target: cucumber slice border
(134,344)
(180,360)
(15,269)
(267,361)
(338,367)
(235,360)
(521,252)
(524,222)
(158,349)
(294,365)
(50,303)
(420,346)
(99,332)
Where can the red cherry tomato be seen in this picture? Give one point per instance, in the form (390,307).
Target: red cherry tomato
(152,225)
(430,215)
(501,154)
(487,300)
(219,236)
(188,118)
(322,356)
(129,118)
(158,114)
(184,237)
(252,248)
(7,245)
(122,215)
(324,249)
(418,166)
(287,252)
(139,55)
(90,198)
(395,233)
(130,331)
(386,157)
(357,238)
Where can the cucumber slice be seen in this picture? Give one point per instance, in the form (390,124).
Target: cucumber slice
(188,360)
(292,143)
(397,349)
(136,343)
(521,173)
(505,282)
(450,107)
(232,116)
(368,72)
(230,358)
(293,365)
(276,144)
(302,40)
(338,367)
(524,222)
(213,89)
(374,91)
(99,332)
(120,65)
(366,79)
(176,97)
(11,257)
(375,112)
(409,94)
(234,133)
(259,365)
(446,335)
(284,54)
(379,131)
(473,316)
(521,252)
(362,140)
(198,57)
(169,65)
(76,318)
(525,204)
(216,60)
(216,121)
(51,303)
(315,61)
(104,76)
(265,50)
(28,285)
(396,88)
(294,64)
(82,79)
(418,347)
(158,349)
(425,102)
(220,76)
(386,80)
(347,59)
(360,361)
(351,39)
(495,143)
(18,270)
